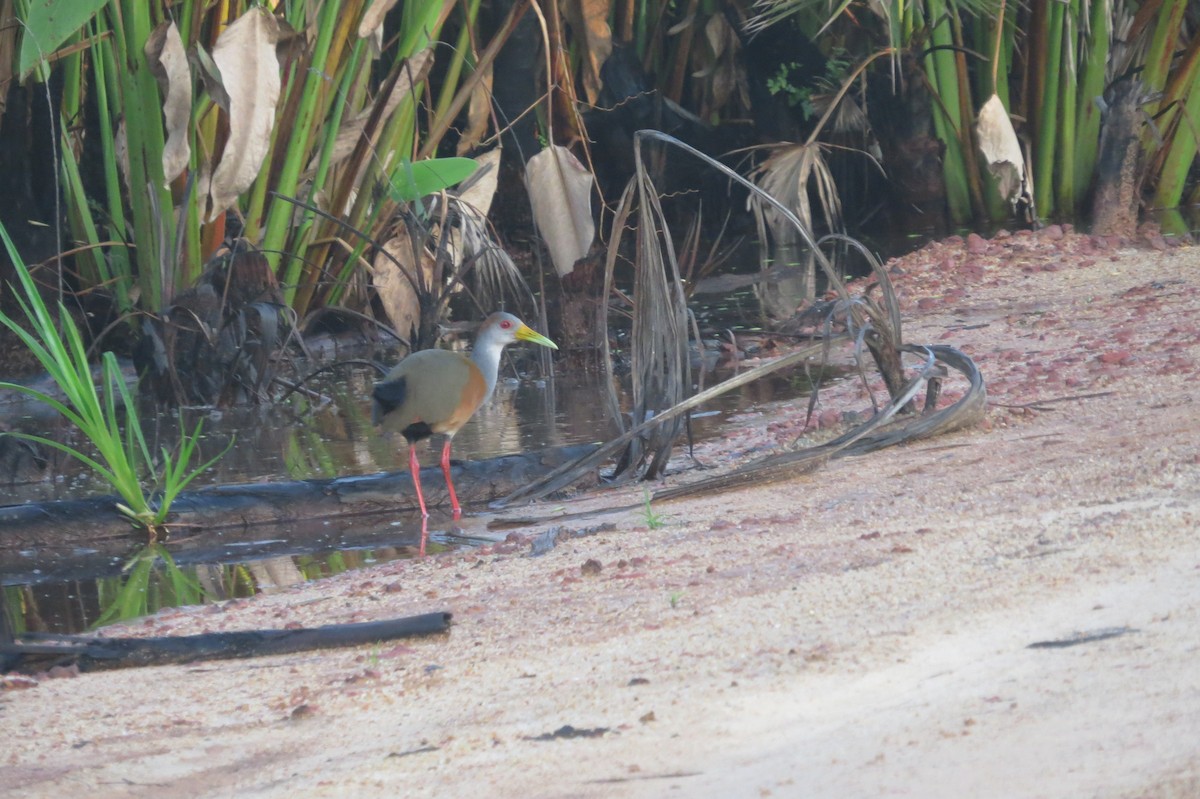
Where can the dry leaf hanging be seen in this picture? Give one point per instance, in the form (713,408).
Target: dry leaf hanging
(169,63)
(245,56)
(397,292)
(481,187)
(372,18)
(589,18)
(479,113)
(560,191)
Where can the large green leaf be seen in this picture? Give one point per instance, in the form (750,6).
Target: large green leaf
(48,24)
(414,180)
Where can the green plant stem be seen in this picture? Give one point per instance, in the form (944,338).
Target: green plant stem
(1091,88)
(947,117)
(461,56)
(1064,182)
(1048,115)
(353,74)
(104,66)
(153,223)
(279,217)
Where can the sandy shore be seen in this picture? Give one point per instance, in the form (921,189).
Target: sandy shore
(862,631)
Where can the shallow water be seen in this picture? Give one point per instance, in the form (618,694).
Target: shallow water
(325,436)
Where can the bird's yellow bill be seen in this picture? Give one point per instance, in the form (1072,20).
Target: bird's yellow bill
(527,333)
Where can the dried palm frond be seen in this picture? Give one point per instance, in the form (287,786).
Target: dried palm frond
(496,279)
(787,175)
(661,367)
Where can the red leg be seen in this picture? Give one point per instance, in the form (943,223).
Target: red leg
(450,483)
(414,469)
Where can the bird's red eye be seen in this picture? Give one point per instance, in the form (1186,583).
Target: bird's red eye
(506,324)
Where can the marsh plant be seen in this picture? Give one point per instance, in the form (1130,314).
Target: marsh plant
(145,483)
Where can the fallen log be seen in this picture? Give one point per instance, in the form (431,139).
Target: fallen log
(38,652)
(54,541)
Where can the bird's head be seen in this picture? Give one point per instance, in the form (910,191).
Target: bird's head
(504,328)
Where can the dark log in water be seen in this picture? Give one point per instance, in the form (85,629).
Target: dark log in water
(91,653)
(73,539)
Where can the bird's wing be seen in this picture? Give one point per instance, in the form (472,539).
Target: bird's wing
(426,387)
(388,396)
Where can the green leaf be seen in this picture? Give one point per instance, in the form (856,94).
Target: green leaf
(412,181)
(48,24)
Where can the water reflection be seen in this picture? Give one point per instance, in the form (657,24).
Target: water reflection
(73,606)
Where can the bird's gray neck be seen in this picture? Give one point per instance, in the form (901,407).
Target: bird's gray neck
(487,358)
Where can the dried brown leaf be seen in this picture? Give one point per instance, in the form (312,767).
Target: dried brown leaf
(210,76)
(719,35)
(481,186)
(249,66)
(590,20)
(560,191)
(725,73)
(372,18)
(479,113)
(121,151)
(397,293)
(169,63)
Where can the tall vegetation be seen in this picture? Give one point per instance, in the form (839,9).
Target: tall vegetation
(297,125)
(213,119)
(1053,63)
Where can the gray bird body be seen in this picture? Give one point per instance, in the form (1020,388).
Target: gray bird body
(438,391)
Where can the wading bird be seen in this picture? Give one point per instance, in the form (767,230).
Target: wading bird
(437,391)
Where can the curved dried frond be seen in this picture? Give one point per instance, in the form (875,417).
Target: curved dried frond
(661,368)
(872,434)
(569,473)
(847,114)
